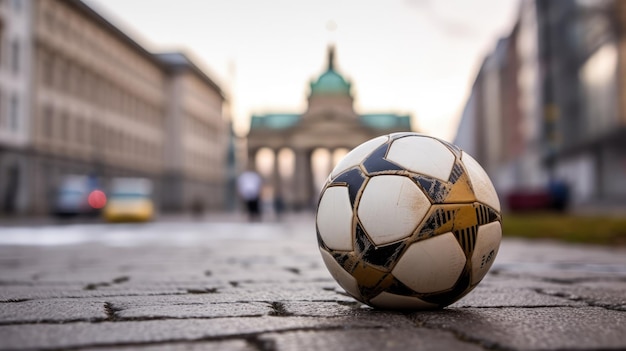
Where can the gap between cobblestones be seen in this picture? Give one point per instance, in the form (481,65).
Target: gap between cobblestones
(485,344)
(203,291)
(94,297)
(279,310)
(293,270)
(261,344)
(575,298)
(14,300)
(110,311)
(561,281)
(95,286)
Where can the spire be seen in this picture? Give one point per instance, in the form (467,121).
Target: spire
(331,58)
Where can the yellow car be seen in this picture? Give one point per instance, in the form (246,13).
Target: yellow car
(130,199)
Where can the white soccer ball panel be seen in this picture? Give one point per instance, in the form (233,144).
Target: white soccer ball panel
(357,155)
(422,155)
(431,265)
(334,218)
(391,207)
(345,280)
(483,188)
(487,244)
(393,301)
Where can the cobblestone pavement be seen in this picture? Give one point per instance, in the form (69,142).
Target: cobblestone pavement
(217,285)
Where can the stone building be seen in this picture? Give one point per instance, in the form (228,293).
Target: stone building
(15,86)
(197,137)
(99,104)
(329,128)
(559,104)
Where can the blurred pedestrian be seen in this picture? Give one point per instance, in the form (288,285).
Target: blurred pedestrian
(559,194)
(249,186)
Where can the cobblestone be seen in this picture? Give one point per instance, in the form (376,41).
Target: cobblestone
(377,339)
(582,328)
(240,286)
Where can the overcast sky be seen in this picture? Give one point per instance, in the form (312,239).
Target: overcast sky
(404,56)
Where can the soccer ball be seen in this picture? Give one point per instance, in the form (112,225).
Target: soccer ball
(408,221)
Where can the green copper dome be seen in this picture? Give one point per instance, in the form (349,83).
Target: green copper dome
(330,82)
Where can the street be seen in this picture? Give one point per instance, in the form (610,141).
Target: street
(221,283)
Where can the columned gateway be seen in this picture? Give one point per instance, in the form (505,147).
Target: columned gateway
(329,124)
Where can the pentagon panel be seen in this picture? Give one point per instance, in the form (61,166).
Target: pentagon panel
(356,156)
(382,256)
(422,155)
(353,179)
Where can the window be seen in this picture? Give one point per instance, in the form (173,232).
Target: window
(14,114)
(2,122)
(79,130)
(15,56)
(47,69)
(1,36)
(64,124)
(64,81)
(47,121)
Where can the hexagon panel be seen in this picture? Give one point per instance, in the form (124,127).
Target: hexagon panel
(391,207)
(422,155)
(431,265)
(334,218)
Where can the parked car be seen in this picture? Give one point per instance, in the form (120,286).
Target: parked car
(129,199)
(78,195)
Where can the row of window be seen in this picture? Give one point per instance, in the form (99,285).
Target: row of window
(64,76)
(74,29)
(206,164)
(76,130)
(202,129)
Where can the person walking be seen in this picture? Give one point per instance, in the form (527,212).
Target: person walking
(249,186)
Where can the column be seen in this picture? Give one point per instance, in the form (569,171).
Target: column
(331,156)
(279,186)
(302,179)
(276,178)
(252,159)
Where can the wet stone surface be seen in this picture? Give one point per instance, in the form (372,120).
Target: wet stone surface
(218,285)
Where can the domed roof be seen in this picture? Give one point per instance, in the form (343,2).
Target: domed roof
(330,82)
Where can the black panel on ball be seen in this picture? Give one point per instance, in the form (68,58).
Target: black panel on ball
(353,179)
(456,173)
(376,161)
(383,255)
(434,188)
(459,290)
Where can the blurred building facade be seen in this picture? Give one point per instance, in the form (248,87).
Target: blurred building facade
(15,110)
(90,100)
(329,128)
(549,102)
